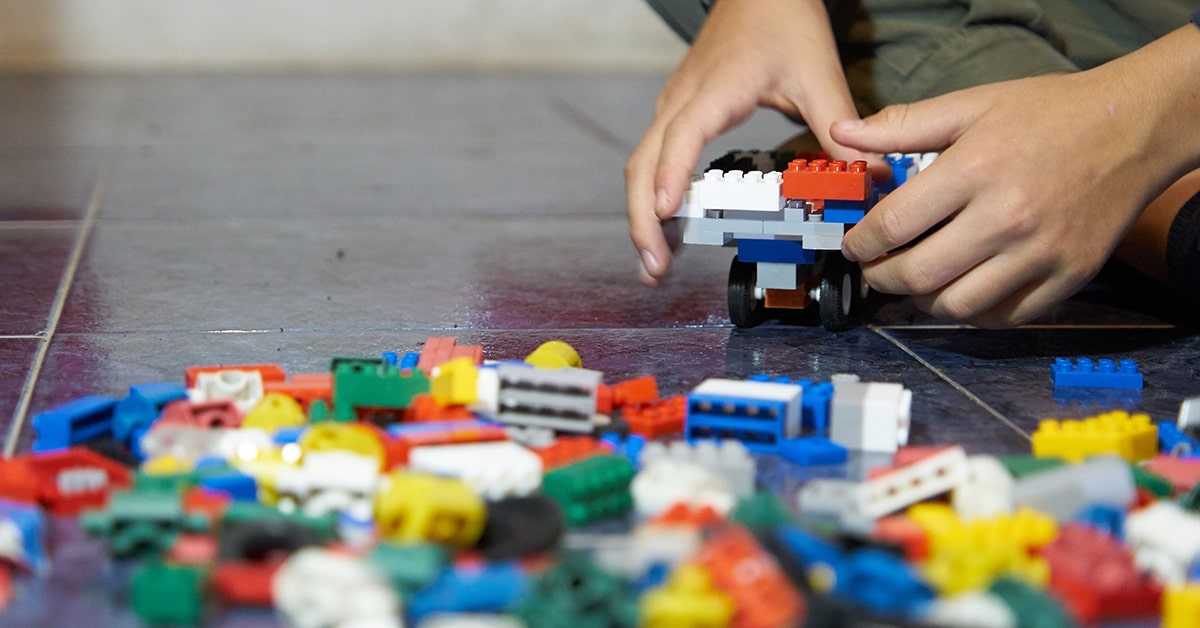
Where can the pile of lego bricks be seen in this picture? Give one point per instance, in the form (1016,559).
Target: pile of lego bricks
(437,489)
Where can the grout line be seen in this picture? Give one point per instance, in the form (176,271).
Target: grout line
(23,337)
(1025,327)
(19,225)
(56,310)
(959,387)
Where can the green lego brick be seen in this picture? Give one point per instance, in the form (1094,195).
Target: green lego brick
(1021,466)
(318,411)
(372,383)
(578,594)
(1191,500)
(1152,482)
(1032,608)
(168,483)
(409,567)
(592,489)
(167,594)
(140,524)
(241,512)
(762,511)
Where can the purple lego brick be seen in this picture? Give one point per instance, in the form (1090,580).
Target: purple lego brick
(1103,373)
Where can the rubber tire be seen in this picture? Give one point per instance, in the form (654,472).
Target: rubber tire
(839,292)
(744,309)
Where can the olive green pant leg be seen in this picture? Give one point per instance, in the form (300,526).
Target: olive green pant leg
(685,17)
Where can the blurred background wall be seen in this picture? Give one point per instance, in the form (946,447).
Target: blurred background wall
(85,35)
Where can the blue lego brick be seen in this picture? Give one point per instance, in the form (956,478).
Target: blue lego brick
(901,167)
(74,422)
(808,547)
(629,447)
(31,523)
(400,429)
(288,435)
(775,251)
(844,216)
(135,442)
(390,357)
(812,450)
(238,486)
(882,583)
(814,402)
(1101,399)
(1173,441)
(409,361)
(1105,518)
(1103,373)
(490,588)
(142,407)
(760,415)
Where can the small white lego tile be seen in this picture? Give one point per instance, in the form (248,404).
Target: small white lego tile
(987,492)
(664,482)
(734,388)
(12,542)
(244,388)
(976,609)
(1165,540)
(729,459)
(317,588)
(494,470)
(1189,413)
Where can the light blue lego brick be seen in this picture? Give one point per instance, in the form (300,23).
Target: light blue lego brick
(1173,441)
(1103,373)
(30,521)
(490,588)
(811,450)
(844,216)
(142,406)
(74,422)
(776,251)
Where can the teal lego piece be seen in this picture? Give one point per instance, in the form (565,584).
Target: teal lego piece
(1032,608)
(762,511)
(409,567)
(576,593)
(592,489)
(142,523)
(164,594)
(371,385)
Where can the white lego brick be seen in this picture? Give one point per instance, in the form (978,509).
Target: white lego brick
(976,609)
(664,482)
(559,399)
(244,388)
(903,487)
(778,276)
(837,499)
(750,191)
(1189,413)
(470,620)
(788,394)
(1165,540)
(534,437)
(727,458)
(329,481)
(1063,491)
(12,542)
(688,208)
(494,470)
(870,416)
(318,588)
(487,391)
(987,492)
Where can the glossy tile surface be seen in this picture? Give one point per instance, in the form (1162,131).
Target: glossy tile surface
(290,219)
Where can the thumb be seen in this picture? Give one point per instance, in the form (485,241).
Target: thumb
(927,125)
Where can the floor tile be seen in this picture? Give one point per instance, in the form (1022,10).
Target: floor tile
(60,110)
(1010,370)
(16,355)
(32,259)
(54,186)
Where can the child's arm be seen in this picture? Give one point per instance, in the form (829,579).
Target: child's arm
(1043,177)
(773,53)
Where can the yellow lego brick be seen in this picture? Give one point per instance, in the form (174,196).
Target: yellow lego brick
(276,410)
(455,382)
(420,507)
(1132,437)
(1181,606)
(350,437)
(554,354)
(687,599)
(166,464)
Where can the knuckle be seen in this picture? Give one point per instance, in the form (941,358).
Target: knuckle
(918,278)
(891,226)
(956,306)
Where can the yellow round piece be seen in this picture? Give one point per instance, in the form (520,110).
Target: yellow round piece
(351,437)
(165,465)
(275,411)
(420,507)
(554,354)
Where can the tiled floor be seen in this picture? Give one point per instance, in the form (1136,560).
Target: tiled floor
(149,223)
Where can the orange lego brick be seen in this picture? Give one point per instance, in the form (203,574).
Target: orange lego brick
(394,452)
(200,501)
(905,532)
(569,450)
(269,372)
(827,180)
(193,549)
(689,515)
(633,392)
(604,399)
(761,591)
(474,352)
(304,387)
(661,418)
(905,456)
(441,349)
(425,409)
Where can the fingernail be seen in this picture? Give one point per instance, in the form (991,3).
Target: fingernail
(848,255)
(649,262)
(661,201)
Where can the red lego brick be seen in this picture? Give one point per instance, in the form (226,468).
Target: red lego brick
(395,453)
(689,515)
(661,418)
(1182,473)
(193,549)
(635,392)
(424,409)
(219,414)
(6,588)
(440,349)
(905,532)
(305,388)
(827,180)
(568,450)
(905,456)
(475,352)
(64,482)
(1095,577)
(604,399)
(245,583)
(201,501)
(470,433)
(762,593)
(269,372)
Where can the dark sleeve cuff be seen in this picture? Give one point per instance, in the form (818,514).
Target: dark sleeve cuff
(1196,18)
(1183,249)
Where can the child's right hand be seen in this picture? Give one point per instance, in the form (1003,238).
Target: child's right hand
(773,53)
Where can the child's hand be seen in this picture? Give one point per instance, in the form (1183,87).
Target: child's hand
(773,53)
(1041,179)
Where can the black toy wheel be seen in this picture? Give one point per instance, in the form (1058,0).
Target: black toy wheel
(839,292)
(744,309)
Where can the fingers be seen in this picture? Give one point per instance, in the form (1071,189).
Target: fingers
(976,295)
(921,126)
(709,113)
(911,210)
(654,254)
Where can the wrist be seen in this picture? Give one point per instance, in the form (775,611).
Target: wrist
(1163,79)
